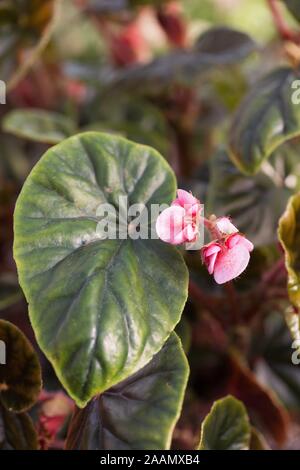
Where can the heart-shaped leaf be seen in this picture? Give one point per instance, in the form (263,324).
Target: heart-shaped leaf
(17,431)
(248,200)
(138,413)
(266,118)
(289,235)
(20,375)
(100,308)
(38,125)
(226,427)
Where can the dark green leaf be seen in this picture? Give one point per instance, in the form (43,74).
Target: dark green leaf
(289,235)
(254,203)
(275,367)
(100,308)
(138,413)
(183,330)
(17,431)
(294,7)
(224,44)
(10,291)
(182,65)
(265,119)
(226,427)
(20,376)
(38,125)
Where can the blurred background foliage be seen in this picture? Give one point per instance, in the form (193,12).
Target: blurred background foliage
(170,76)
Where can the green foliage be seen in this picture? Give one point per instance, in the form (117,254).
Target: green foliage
(217,47)
(226,427)
(10,291)
(254,203)
(132,292)
(294,7)
(38,125)
(20,376)
(17,431)
(265,119)
(138,413)
(24,26)
(276,368)
(288,232)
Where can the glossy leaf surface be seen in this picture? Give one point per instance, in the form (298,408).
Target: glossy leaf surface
(100,308)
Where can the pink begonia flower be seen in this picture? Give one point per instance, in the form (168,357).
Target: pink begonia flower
(179,223)
(227,258)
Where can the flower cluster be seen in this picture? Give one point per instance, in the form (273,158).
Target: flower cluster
(225,257)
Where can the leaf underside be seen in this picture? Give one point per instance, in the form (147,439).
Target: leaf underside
(138,413)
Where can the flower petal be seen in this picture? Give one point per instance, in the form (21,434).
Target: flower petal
(210,249)
(209,255)
(247,243)
(170,225)
(231,263)
(190,233)
(225,226)
(185,198)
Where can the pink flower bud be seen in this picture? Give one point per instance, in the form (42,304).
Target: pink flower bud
(179,223)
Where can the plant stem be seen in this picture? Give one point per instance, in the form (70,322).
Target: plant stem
(183,139)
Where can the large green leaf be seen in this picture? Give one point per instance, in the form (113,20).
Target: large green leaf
(138,413)
(38,125)
(20,376)
(289,235)
(100,308)
(254,203)
(265,119)
(17,431)
(226,427)
(294,7)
